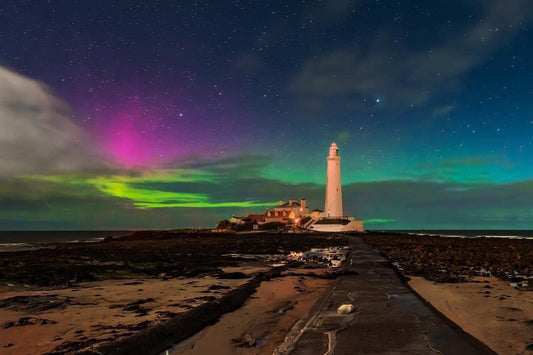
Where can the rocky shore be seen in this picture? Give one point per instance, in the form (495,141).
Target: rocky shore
(481,284)
(113,295)
(452,259)
(151,254)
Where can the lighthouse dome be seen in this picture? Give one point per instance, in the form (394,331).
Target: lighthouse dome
(333,150)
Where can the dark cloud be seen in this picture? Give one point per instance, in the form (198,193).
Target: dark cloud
(409,76)
(428,205)
(27,203)
(242,166)
(386,204)
(472,169)
(37,134)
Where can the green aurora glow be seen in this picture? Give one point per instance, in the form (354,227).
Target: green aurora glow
(126,187)
(167,123)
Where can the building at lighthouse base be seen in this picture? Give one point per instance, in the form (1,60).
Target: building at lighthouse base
(341,224)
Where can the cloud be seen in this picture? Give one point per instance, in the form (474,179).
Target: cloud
(242,166)
(471,169)
(37,134)
(433,205)
(196,184)
(409,76)
(28,203)
(200,194)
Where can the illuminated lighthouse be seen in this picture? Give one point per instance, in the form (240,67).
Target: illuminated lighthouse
(333,219)
(333,206)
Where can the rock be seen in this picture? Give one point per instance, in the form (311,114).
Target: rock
(245,341)
(24,321)
(133,283)
(232,275)
(35,304)
(346,309)
(248,340)
(443,259)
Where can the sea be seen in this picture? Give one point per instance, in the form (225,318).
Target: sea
(27,240)
(510,234)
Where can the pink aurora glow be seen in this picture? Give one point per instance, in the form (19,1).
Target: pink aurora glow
(132,142)
(134,134)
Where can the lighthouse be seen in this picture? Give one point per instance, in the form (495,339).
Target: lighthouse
(333,206)
(333,219)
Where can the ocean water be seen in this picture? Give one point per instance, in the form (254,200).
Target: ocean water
(25,240)
(472,233)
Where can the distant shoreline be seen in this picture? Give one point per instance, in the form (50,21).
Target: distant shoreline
(30,236)
(11,241)
(30,240)
(469,233)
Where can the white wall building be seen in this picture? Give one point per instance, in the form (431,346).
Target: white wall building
(288,212)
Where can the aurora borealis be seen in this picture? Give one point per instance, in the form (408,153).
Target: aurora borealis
(118,115)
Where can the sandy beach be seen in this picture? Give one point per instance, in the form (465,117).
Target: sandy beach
(94,313)
(262,323)
(143,282)
(491,310)
(469,282)
(141,286)
(70,319)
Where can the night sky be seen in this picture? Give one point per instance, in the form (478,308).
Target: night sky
(171,114)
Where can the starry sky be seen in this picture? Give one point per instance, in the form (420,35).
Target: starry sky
(171,114)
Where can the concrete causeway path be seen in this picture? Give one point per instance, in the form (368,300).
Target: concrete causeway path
(388,318)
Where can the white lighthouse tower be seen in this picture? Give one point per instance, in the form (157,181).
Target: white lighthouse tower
(333,206)
(333,219)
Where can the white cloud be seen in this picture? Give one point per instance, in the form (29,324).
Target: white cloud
(37,134)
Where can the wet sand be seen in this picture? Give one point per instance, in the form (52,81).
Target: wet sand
(262,323)
(97,312)
(58,311)
(489,309)
(69,298)
(468,280)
